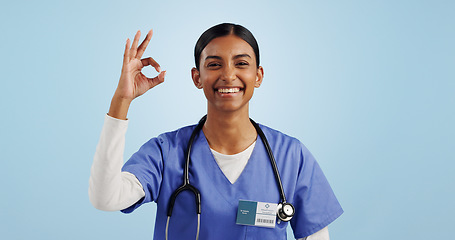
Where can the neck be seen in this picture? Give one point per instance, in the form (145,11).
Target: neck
(229,133)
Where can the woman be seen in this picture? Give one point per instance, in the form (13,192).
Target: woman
(229,162)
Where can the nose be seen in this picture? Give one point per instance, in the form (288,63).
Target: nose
(228,74)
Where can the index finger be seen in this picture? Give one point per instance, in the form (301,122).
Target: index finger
(143,46)
(152,62)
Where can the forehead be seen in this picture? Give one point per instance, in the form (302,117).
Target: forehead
(226,46)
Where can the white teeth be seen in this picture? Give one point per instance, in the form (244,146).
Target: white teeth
(228,90)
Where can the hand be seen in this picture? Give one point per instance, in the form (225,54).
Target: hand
(133,82)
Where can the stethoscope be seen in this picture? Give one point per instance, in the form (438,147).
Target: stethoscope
(285,210)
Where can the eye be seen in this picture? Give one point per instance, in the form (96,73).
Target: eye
(242,64)
(213,65)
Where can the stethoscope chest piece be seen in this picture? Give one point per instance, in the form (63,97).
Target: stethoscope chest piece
(285,211)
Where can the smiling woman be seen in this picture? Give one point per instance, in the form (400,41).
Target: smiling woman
(228,161)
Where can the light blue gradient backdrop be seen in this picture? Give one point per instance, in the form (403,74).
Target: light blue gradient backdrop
(367,86)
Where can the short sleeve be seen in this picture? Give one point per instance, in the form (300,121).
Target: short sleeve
(314,201)
(147,165)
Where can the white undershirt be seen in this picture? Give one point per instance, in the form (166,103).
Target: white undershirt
(232,165)
(110,189)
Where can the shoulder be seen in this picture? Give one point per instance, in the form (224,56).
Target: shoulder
(167,140)
(183,132)
(280,138)
(290,147)
(173,137)
(158,148)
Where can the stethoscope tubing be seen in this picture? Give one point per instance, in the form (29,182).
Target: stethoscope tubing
(186,180)
(271,158)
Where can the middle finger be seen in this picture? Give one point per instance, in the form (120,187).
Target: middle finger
(143,46)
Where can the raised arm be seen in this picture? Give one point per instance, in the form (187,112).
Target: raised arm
(110,189)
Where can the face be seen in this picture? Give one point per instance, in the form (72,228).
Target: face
(228,74)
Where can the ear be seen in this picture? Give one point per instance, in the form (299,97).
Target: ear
(196,78)
(259,76)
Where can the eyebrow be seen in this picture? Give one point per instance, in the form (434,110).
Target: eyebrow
(235,57)
(242,55)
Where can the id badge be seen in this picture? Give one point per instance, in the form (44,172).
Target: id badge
(258,214)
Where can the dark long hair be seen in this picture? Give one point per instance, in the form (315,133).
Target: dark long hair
(222,30)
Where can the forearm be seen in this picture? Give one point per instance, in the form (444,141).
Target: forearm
(109,188)
(119,107)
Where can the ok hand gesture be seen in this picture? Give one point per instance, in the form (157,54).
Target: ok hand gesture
(133,82)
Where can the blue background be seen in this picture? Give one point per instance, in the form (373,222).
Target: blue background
(367,86)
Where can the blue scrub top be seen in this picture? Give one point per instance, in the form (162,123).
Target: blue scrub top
(159,163)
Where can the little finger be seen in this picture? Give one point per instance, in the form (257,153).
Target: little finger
(126,53)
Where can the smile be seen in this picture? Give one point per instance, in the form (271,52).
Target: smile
(228,90)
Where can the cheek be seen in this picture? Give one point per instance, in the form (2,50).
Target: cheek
(207,78)
(249,76)
(207,85)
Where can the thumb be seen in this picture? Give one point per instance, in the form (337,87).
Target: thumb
(157,80)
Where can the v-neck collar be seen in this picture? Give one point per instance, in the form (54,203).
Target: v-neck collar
(257,171)
(214,169)
(239,160)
